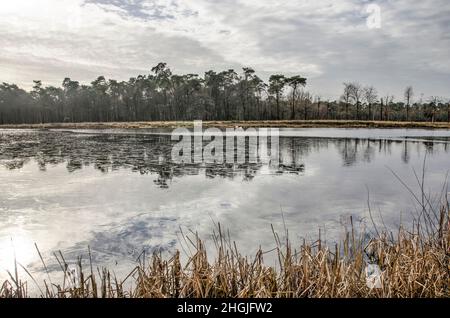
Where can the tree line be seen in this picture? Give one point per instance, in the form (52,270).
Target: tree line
(225,95)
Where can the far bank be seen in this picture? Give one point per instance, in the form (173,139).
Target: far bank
(233,124)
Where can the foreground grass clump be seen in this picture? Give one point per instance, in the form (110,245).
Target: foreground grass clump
(414,263)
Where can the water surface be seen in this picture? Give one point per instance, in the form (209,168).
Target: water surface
(118,192)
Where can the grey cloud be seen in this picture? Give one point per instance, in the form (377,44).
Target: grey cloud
(143,9)
(326,41)
(388,57)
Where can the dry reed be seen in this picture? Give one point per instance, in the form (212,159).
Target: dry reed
(413,264)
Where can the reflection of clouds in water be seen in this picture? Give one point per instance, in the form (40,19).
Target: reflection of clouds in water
(120,214)
(128,241)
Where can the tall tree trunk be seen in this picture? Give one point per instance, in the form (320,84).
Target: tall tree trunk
(318,110)
(357,110)
(258,105)
(305,110)
(448,112)
(293,105)
(278,106)
(407,112)
(381,111)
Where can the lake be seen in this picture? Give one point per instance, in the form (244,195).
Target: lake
(117,191)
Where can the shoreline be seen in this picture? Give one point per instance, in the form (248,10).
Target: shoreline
(233,124)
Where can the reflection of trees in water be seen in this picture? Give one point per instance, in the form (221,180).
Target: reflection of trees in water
(364,150)
(292,153)
(146,154)
(429,146)
(406,156)
(361,150)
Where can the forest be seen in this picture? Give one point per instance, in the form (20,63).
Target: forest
(226,95)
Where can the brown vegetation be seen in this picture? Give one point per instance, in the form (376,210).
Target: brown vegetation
(245,124)
(414,263)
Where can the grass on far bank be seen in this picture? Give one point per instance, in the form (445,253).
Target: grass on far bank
(414,263)
(232,124)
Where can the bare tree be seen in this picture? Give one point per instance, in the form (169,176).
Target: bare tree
(328,109)
(318,107)
(347,97)
(371,96)
(388,100)
(305,99)
(381,108)
(434,103)
(356,93)
(409,93)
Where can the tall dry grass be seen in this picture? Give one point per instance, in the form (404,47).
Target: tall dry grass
(414,263)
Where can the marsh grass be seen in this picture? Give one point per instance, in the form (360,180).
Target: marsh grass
(413,264)
(232,124)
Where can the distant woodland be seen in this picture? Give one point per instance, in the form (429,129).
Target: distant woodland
(227,95)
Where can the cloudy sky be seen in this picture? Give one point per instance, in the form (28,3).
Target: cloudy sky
(328,41)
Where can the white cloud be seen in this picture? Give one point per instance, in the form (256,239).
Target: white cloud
(327,41)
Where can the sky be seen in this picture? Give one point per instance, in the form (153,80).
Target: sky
(327,41)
